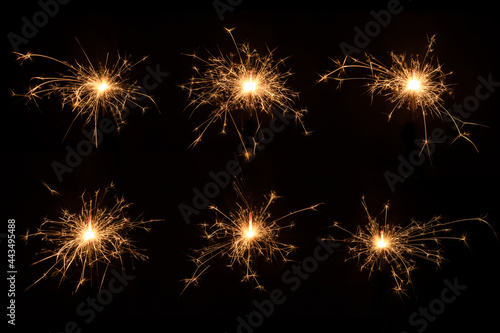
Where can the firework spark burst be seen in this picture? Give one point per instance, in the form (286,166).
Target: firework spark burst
(376,245)
(245,83)
(418,85)
(93,237)
(90,91)
(243,236)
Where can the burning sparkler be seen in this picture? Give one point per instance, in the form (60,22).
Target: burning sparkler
(246,82)
(243,236)
(417,85)
(399,246)
(90,91)
(95,236)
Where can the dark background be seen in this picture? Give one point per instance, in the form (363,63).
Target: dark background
(345,158)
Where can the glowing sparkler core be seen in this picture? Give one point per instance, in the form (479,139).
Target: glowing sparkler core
(414,85)
(381,243)
(250,233)
(89,234)
(249,86)
(102,87)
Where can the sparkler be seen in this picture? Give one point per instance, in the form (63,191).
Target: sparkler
(244,82)
(95,236)
(399,246)
(90,91)
(243,236)
(414,84)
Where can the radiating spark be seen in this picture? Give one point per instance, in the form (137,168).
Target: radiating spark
(242,236)
(418,85)
(52,191)
(82,241)
(90,91)
(245,83)
(399,246)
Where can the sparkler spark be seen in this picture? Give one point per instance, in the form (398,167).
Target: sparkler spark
(414,84)
(90,91)
(399,246)
(95,236)
(245,83)
(243,236)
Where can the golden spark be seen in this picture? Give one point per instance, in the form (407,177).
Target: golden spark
(90,91)
(95,236)
(243,236)
(246,84)
(399,246)
(414,84)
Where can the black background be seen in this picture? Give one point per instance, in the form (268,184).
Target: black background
(351,147)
